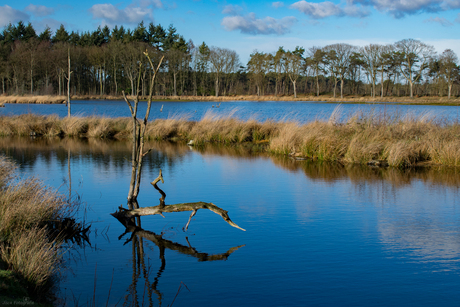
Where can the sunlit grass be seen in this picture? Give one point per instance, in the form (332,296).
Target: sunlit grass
(402,140)
(26,205)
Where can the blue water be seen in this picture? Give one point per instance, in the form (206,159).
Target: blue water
(317,234)
(267,110)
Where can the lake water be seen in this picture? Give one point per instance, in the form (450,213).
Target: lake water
(317,234)
(301,111)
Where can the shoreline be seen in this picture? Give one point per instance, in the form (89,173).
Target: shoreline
(350,99)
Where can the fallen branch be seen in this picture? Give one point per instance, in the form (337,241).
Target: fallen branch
(125,216)
(128,214)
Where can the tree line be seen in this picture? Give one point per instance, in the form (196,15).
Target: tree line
(108,61)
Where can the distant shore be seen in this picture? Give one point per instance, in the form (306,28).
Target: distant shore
(426,100)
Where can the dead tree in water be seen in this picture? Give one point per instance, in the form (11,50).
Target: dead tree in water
(68,83)
(126,216)
(138,134)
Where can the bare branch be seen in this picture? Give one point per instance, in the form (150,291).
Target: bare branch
(194,206)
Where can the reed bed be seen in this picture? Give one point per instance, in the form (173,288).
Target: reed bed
(49,99)
(26,205)
(41,99)
(400,140)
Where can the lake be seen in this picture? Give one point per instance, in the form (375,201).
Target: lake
(317,234)
(301,111)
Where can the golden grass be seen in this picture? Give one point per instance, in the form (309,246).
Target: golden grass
(25,206)
(433,100)
(31,255)
(401,140)
(43,99)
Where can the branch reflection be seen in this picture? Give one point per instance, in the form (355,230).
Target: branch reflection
(141,270)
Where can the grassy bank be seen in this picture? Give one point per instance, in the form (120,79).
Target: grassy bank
(426,100)
(29,257)
(381,139)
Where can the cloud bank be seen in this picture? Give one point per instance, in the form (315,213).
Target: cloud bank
(132,14)
(39,10)
(8,14)
(327,9)
(360,8)
(250,24)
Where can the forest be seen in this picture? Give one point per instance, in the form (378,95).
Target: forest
(109,61)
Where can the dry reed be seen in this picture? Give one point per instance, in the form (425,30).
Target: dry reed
(401,140)
(26,205)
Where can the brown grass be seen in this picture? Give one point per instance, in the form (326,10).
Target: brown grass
(433,100)
(45,99)
(25,206)
(401,140)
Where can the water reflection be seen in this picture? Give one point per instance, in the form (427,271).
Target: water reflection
(357,231)
(113,154)
(140,270)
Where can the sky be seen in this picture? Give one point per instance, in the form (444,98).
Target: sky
(247,26)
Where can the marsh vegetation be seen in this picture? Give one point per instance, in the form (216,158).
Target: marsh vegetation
(363,137)
(35,221)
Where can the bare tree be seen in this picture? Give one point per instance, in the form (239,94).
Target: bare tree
(339,59)
(139,132)
(449,68)
(316,62)
(222,61)
(414,56)
(293,65)
(258,65)
(372,55)
(68,83)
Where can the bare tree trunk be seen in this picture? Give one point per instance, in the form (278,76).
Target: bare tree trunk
(101,89)
(341,89)
(138,136)
(68,85)
(381,94)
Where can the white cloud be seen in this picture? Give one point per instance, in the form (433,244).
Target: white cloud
(326,9)
(112,15)
(39,10)
(277,4)
(441,20)
(232,9)
(450,4)
(154,3)
(251,25)
(8,14)
(400,8)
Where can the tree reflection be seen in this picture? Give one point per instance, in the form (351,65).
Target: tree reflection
(141,270)
(131,219)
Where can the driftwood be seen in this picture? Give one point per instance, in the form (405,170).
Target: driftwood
(125,216)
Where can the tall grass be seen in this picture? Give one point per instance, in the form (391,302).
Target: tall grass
(26,205)
(401,140)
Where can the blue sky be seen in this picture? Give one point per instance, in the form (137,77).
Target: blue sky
(245,26)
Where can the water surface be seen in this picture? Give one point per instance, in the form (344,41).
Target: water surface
(317,234)
(301,111)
